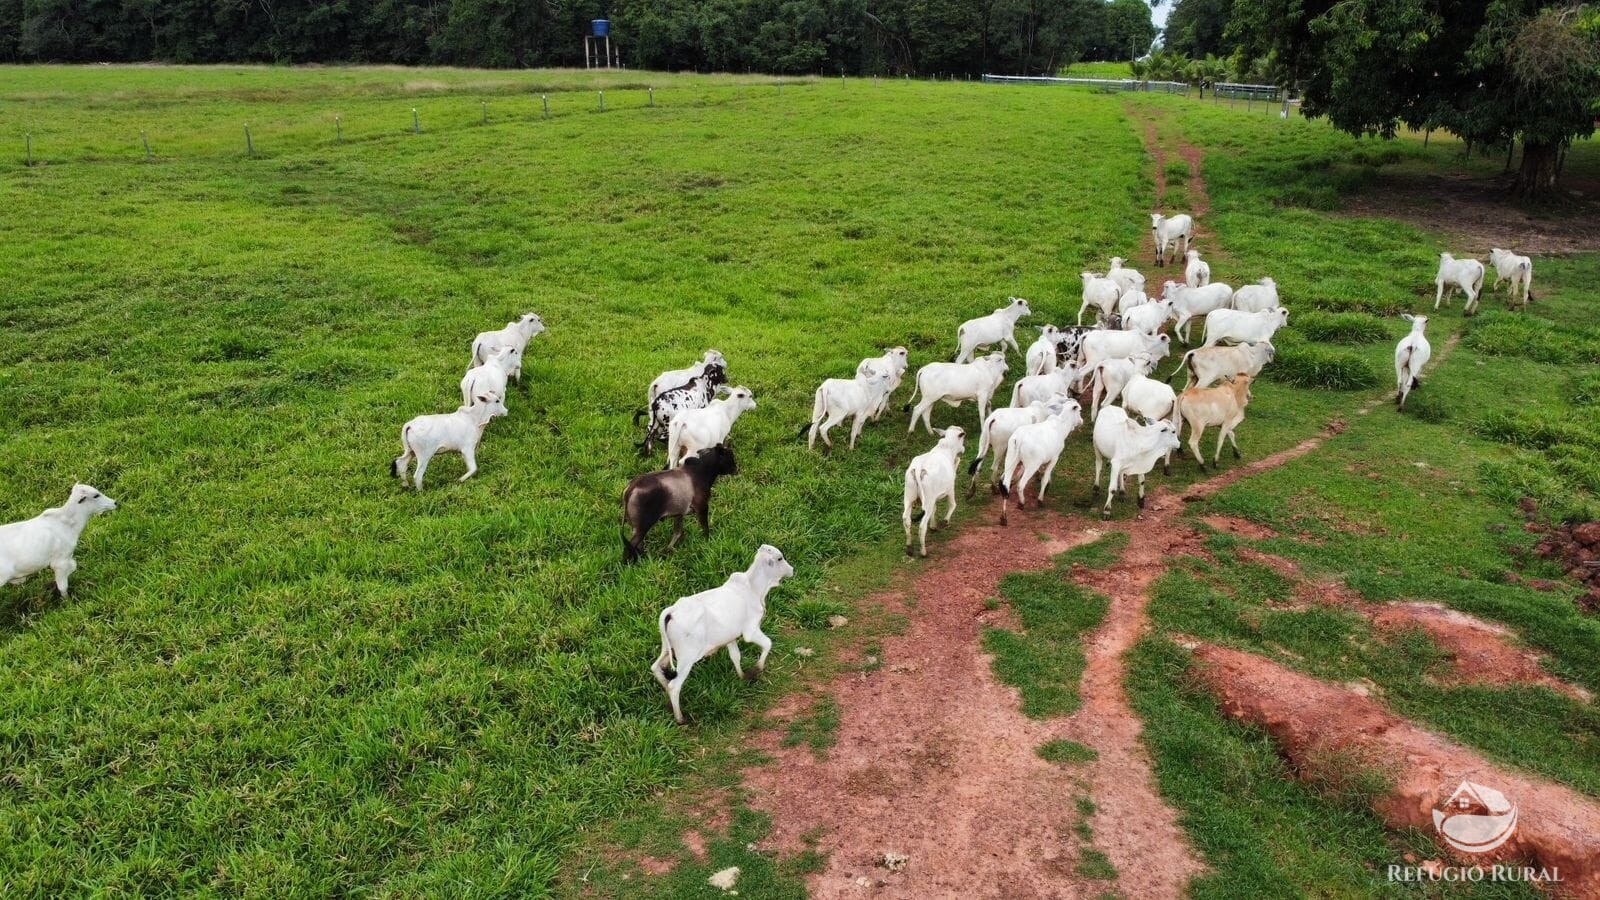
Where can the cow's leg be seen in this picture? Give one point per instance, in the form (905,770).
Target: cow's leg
(733,656)
(927,517)
(64,569)
(677,531)
(855,428)
(422,466)
(1195,431)
(755,636)
(470,454)
(675,688)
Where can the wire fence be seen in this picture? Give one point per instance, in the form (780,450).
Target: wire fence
(1110,84)
(1265,97)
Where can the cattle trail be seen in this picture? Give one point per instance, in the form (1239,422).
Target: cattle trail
(933,757)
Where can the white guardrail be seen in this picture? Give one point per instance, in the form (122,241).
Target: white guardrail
(1121,84)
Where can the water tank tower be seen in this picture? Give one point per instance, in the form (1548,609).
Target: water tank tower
(598,51)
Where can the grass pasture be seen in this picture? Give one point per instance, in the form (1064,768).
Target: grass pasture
(281,674)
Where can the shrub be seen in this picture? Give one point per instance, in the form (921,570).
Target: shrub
(1500,333)
(1301,364)
(1341,327)
(1531,475)
(1530,431)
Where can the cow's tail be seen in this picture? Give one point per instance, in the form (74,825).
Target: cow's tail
(640,413)
(914,389)
(983,447)
(1527,282)
(1185,361)
(669,665)
(405,451)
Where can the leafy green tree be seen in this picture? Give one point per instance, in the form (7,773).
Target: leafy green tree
(1196,28)
(1491,73)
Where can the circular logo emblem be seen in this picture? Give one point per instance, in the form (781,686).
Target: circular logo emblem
(1476,818)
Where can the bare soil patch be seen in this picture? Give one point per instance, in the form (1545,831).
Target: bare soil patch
(1577,549)
(1479,214)
(1321,728)
(1480,652)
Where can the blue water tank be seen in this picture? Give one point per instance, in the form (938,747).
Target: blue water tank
(602,27)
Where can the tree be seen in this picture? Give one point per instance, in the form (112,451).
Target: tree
(1196,28)
(1491,73)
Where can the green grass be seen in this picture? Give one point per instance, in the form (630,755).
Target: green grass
(280,674)
(1067,752)
(1101,553)
(1045,660)
(1097,70)
(817,729)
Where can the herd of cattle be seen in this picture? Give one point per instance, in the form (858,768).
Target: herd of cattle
(1138,420)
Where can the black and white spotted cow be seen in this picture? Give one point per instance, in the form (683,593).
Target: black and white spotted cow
(694,394)
(1069,345)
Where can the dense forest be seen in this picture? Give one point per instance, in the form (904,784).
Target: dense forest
(778,36)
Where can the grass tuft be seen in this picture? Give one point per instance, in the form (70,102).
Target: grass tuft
(1045,661)
(1066,752)
(1341,327)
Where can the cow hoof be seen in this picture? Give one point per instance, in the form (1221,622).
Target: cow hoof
(1105,513)
(1141,503)
(910,550)
(1003,519)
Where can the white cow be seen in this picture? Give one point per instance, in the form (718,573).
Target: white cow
(1041,358)
(694,430)
(1189,303)
(701,624)
(1131,449)
(1110,376)
(1519,269)
(1168,231)
(490,378)
(426,436)
(1239,327)
(50,539)
(1126,278)
(997,327)
(1465,274)
(997,430)
(1036,448)
(954,383)
(1099,292)
(840,398)
(1197,272)
(516,334)
(1410,355)
(1147,318)
(894,361)
(1208,365)
(1256,297)
(931,477)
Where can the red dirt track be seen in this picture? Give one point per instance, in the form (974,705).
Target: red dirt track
(1314,722)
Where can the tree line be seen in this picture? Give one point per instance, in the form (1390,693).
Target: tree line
(857,37)
(1496,73)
